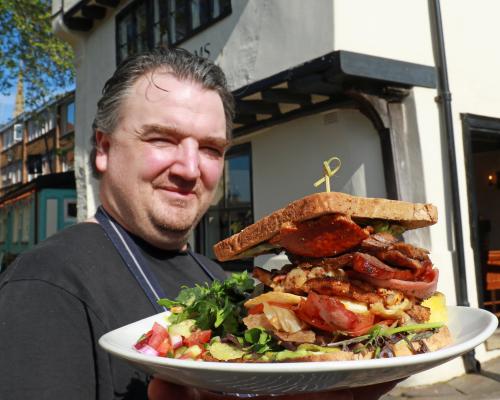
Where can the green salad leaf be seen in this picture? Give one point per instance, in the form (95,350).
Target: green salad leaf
(217,306)
(259,340)
(385,226)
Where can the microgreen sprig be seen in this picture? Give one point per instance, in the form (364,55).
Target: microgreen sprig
(377,339)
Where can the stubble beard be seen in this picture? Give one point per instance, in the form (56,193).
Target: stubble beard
(174,229)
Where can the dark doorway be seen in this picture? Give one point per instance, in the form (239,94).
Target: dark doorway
(482,162)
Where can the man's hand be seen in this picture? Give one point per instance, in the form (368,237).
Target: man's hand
(161,390)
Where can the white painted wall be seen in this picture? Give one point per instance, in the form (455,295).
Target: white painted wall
(288,159)
(396,29)
(58,4)
(273,35)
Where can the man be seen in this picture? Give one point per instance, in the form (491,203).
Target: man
(160,133)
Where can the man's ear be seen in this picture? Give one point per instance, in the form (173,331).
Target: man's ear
(102,151)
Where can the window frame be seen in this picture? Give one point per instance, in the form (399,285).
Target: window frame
(150,18)
(64,117)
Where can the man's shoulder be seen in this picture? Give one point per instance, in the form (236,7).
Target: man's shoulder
(62,254)
(80,239)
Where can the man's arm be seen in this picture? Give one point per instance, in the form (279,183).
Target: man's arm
(45,343)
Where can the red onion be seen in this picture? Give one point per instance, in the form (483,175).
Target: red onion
(148,350)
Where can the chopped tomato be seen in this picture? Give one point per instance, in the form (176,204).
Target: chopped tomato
(282,305)
(257,309)
(143,340)
(159,334)
(164,347)
(198,337)
(314,321)
(363,324)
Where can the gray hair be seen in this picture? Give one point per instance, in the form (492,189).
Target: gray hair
(180,63)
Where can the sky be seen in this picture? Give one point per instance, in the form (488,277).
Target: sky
(7,103)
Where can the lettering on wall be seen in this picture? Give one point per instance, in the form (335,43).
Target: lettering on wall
(202,51)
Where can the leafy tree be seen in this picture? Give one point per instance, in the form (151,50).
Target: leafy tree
(28,46)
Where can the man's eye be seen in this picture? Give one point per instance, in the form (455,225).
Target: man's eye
(160,141)
(212,151)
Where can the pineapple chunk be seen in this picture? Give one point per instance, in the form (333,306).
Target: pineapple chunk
(437,304)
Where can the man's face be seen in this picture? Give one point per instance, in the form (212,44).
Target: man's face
(161,166)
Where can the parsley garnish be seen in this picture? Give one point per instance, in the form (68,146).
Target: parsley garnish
(218,306)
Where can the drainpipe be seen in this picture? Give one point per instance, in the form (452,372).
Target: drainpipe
(444,99)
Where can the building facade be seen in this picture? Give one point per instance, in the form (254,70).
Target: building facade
(37,143)
(403,93)
(37,186)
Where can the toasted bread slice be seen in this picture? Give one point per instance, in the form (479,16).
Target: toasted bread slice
(408,215)
(440,339)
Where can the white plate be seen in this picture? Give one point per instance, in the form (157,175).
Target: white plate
(469,327)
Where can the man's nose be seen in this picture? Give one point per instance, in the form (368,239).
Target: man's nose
(187,162)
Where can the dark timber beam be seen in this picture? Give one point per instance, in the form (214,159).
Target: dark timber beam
(245,119)
(313,84)
(78,23)
(108,3)
(285,96)
(93,12)
(253,107)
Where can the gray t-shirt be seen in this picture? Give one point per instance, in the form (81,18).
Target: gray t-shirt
(59,298)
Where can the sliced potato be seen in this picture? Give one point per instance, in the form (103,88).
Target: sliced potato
(278,297)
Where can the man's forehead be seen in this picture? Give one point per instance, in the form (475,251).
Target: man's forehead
(164,81)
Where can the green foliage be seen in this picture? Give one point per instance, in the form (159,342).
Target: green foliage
(218,306)
(28,46)
(259,340)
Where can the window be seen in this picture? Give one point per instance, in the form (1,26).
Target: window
(67,160)
(34,165)
(148,24)
(12,173)
(18,132)
(11,136)
(41,124)
(46,163)
(232,209)
(70,211)
(132,30)
(7,138)
(68,118)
